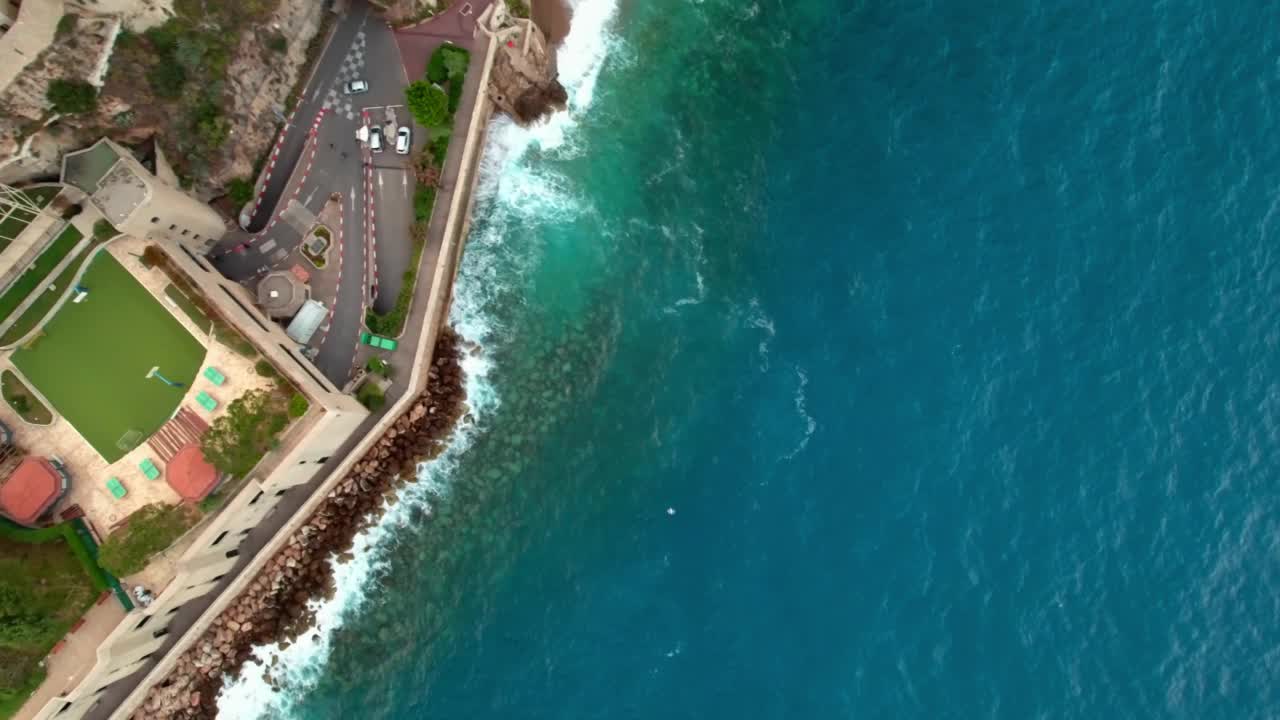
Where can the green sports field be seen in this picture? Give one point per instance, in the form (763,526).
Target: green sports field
(93,357)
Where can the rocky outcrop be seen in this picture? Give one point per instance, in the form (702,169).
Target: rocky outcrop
(263,70)
(138,15)
(274,607)
(260,80)
(78,54)
(523,81)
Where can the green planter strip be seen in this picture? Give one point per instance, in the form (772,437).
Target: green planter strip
(34,277)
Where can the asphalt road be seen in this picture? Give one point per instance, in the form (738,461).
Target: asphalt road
(324,157)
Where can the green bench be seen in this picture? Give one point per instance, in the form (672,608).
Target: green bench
(116,488)
(378,341)
(206,401)
(149,469)
(212,375)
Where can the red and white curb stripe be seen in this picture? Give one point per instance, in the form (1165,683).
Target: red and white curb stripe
(271,164)
(314,142)
(334,306)
(371,223)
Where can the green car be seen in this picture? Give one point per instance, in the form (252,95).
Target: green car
(378,341)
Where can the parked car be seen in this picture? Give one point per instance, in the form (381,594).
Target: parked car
(375,138)
(377,341)
(403,140)
(355,87)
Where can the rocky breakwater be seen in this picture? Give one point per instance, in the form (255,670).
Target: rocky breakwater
(274,606)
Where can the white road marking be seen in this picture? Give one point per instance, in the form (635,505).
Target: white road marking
(310,196)
(379,182)
(315,94)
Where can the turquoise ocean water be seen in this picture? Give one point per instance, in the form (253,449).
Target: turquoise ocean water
(851,359)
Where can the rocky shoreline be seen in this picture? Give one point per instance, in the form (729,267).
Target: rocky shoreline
(273,608)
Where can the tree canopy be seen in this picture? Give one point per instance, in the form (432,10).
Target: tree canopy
(237,440)
(428,103)
(72,96)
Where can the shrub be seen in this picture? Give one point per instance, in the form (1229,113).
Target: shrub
(212,502)
(436,70)
(439,148)
(72,96)
(66,24)
(378,366)
(238,439)
(427,103)
(455,62)
(298,405)
(455,95)
(104,230)
(277,43)
(240,191)
(264,368)
(150,530)
(519,8)
(167,79)
(371,396)
(424,199)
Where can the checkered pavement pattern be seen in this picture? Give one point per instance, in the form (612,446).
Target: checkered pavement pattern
(352,67)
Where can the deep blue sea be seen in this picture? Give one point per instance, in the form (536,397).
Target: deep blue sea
(851,360)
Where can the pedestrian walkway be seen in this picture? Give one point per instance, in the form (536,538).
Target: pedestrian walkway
(74,656)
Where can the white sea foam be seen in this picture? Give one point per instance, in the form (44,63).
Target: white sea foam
(517,190)
(700,287)
(758,319)
(810,425)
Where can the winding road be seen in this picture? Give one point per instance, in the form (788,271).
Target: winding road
(318,156)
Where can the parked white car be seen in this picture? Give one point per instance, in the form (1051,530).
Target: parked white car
(355,87)
(404,139)
(375,139)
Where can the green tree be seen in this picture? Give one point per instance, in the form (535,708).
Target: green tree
(72,96)
(103,230)
(265,369)
(277,42)
(167,79)
(238,440)
(298,405)
(240,191)
(427,103)
(189,52)
(455,62)
(436,70)
(66,24)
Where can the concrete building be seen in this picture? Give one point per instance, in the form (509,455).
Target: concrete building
(147,203)
(281,294)
(333,418)
(32,488)
(141,201)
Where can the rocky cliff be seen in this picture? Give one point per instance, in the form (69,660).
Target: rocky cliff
(214,130)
